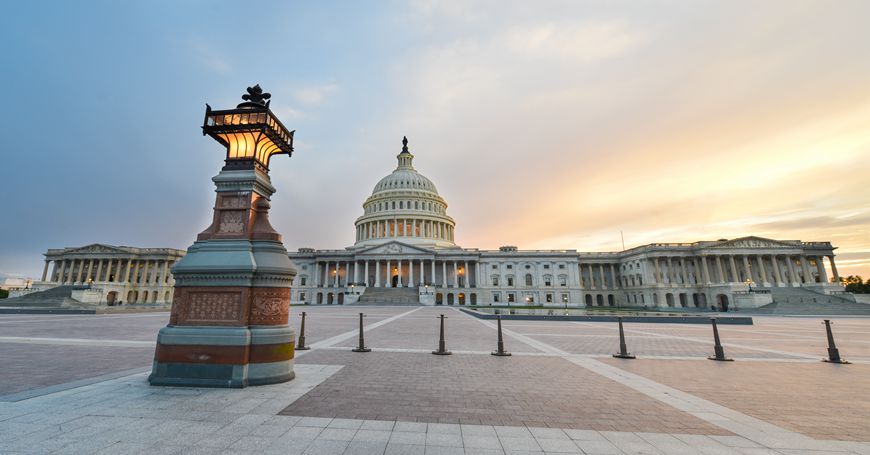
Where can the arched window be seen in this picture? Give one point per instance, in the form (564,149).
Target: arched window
(401,204)
(528,279)
(303,280)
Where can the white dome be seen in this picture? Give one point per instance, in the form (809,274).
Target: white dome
(405,206)
(408,179)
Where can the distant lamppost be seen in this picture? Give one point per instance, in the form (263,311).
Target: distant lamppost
(230,312)
(749,283)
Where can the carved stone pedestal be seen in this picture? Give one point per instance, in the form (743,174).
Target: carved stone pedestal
(229,322)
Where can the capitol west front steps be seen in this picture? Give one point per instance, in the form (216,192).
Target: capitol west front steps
(390,296)
(801,301)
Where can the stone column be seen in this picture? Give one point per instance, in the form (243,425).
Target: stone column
(762,272)
(601,275)
(792,276)
(389,276)
(127,273)
(613,283)
(734,276)
(776,272)
(455,274)
(820,265)
(410,273)
(378,273)
(685,271)
(444,273)
(658,274)
(422,273)
(432,280)
(834,269)
(164,275)
(467,275)
(399,282)
(366,272)
(61,278)
(591,276)
(719,269)
(805,267)
(705,271)
(99,270)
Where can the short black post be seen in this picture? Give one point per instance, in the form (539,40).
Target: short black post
(362,341)
(442,348)
(500,347)
(720,352)
(301,345)
(833,352)
(623,350)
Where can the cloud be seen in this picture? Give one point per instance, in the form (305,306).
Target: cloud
(584,42)
(314,95)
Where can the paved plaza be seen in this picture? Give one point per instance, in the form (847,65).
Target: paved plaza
(76,384)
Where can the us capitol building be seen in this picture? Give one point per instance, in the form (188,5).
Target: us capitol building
(405,253)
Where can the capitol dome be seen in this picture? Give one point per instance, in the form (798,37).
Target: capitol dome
(405,207)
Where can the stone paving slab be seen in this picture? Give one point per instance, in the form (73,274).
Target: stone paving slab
(821,400)
(475,389)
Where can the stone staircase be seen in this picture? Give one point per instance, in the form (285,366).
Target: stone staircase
(389,296)
(802,301)
(56,297)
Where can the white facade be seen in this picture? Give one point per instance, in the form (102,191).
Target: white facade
(121,274)
(405,253)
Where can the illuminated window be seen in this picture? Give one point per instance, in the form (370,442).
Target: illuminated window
(549,298)
(511,297)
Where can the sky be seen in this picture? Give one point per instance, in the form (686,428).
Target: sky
(545,124)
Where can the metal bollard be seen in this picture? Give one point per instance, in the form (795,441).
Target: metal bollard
(833,352)
(442,348)
(717,347)
(623,350)
(500,347)
(301,345)
(362,341)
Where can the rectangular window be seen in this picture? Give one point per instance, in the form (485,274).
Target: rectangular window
(510,281)
(495,267)
(548,281)
(302,281)
(549,298)
(561,266)
(495,280)
(509,266)
(546,266)
(563,281)
(511,297)
(496,297)
(564,298)
(302,296)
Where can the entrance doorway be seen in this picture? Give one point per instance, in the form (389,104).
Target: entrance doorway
(439,299)
(722,302)
(462,299)
(450,298)
(395,281)
(111,297)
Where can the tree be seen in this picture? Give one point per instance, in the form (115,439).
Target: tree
(856,285)
(4,293)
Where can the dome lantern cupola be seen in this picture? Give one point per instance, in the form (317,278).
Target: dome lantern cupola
(405,157)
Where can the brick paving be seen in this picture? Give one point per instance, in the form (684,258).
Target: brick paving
(817,399)
(483,389)
(532,392)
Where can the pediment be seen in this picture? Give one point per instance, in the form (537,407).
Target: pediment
(755,242)
(394,248)
(95,248)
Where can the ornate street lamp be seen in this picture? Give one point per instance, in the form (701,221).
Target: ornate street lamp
(230,309)
(250,132)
